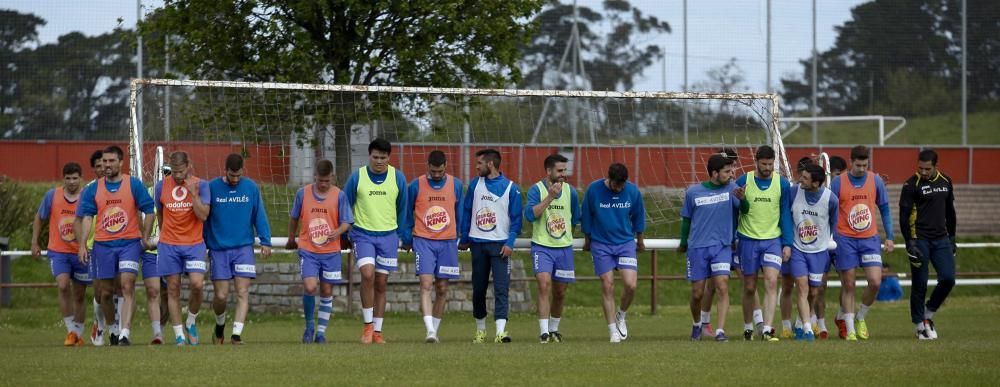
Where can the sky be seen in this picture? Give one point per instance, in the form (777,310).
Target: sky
(717,31)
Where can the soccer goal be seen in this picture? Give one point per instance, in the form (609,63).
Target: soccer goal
(282,129)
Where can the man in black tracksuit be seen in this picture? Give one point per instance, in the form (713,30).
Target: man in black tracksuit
(927,219)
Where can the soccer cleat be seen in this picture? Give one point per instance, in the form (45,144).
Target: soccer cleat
(320,338)
(192,331)
(721,337)
(377,338)
(179,341)
(79,341)
(555,337)
(94,332)
(862,329)
(706,329)
(695,333)
(544,338)
(616,337)
(431,338)
(841,328)
(923,335)
(800,333)
(851,336)
(113,340)
(123,342)
(769,337)
(70,339)
(236,340)
(809,336)
(759,328)
(823,335)
(502,337)
(157,340)
(307,336)
(931,330)
(815,329)
(367,333)
(96,336)
(622,327)
(220,334)
(786,333)
(748,334)
(480,337)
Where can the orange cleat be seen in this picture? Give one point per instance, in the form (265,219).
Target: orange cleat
(367,334)
(377,338)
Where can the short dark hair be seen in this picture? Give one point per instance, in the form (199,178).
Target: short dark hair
(436,158)
(618,173)
(96,156)
(116,150)
(234,162)
(180,157)
(729,153)
(803,162)
(717,161)
(324,168)
(490,155)
(764,152)
(815,172)
(550,162)
(380,144)
(928,155)
(860,152)
(838,163)
(71,168)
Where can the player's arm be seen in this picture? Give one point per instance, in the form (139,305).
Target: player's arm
(346,219)
(42,215)
(84,222)
(834,208)
(261,225)
(882,201)
(465,221)
(638,216)
(293,220)
(200,198)
(157,193)
(514,212)
(785,218)
(586,217)
(402,202)
(459,214)
(685,221)
(951,221)
(741,183)
(906,200)
(406,232)
(574,201)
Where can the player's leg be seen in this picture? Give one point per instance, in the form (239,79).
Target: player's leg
(174,305)
(79,309)
(918,290)
(786,299)
(128,268)
(848,259)
(426,268)
(151,282)
(697,292)
(943,258)
(706,308)
(222,275)
(381,284)
(98,327)
(720,265)
(440,301)
(242,308)
(480,281)
(608,304)
(722,290)
(628,266)
(447,268)
(195,267)
(364,251)
(847,287)
(543,265)
(325,308)
(749,262)
(771,275)
(871,262)
(500,267)
(698,262)
(309,269)
(819,306)
(565,274)
(802,290)
(65,295)
(386,261)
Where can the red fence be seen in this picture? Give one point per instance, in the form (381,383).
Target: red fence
(648,165)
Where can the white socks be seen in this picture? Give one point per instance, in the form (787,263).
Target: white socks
(480,324)
(237,328)
(849,320)
(68,320)
(192,319)
(543,325)
(220,319)
(179,331)
(367,314)
(125,333)
(157,330)
(862,312)
(928,314)
(437,324)
(554,324)
(429,324)
(786,324)
(378,324)
(758,316)
(501,326)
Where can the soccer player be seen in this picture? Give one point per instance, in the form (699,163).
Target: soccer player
(98,327)
(707,223)
(553,209)
(490,222)
(858,242)
(927,220)
(837,166)
(787,279)
(325,215)
(814,212)
(116,200)
(765,236)
(58,209)
(431,231)
(378,198)
(183,204)
(706,300)
(237,216)
(614,219)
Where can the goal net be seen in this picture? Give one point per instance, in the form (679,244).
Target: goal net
(663,139)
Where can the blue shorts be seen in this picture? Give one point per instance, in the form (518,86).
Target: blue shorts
(381,251)
(149,265)
(324,266)
(173,260)
(436,257)
(66,263)
(556,261)
(854,252)
(109,261)
(234,262)
(712,261)
(756,254)
(613,257)
(813,265)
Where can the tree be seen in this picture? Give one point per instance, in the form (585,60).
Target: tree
(727,78)
(443,43)
(16,30)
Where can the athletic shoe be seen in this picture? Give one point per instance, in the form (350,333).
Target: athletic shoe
(79,341)
(748,335)
(544,338)
(786,333)
(431,338)
(71,339)
(759,328)
(721,336)
(113,340)
(220,334)
(308,336)
(555,337)
(815,329)
(923,335)
(320,338)
(192,331)
(616,337)
(809,336)
(931,330)
(502,337)
(157,340)
(841,328)
(367,333)
(799,332)
(480,337)
(823,335)
(179,341)
(769,336)
(851,336)
(123,342)
(862,329)
(706,329)
(377,338)
(96,336)
(695,333)
(620,323)
(236,340)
